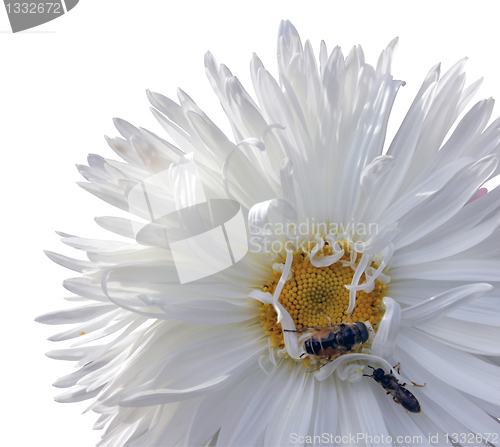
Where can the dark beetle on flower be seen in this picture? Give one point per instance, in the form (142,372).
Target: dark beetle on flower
(397,390)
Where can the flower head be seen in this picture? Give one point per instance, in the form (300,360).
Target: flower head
(274,279)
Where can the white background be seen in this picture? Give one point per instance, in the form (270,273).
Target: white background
(61,84)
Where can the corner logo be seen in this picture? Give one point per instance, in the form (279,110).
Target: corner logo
(26,15)
(204,236)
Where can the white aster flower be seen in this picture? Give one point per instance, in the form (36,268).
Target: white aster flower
(339,226)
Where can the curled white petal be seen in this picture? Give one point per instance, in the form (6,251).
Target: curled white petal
(327,370)
(274,366)
(263,297)
(375,171)
(281,284)
(123,303)
(370,282)
(360,269)
(320,260)
(291,340)
(263,215)
(352,253)
(280,267)
(264,155)
(259,144)
(385,340)
(352,372)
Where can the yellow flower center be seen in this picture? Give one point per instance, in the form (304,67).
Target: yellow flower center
(312,293)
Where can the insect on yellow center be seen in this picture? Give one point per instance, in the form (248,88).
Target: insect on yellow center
(312,293)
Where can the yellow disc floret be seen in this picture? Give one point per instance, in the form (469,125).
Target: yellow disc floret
(313,293)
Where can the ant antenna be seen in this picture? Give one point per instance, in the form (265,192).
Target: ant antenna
(367,375)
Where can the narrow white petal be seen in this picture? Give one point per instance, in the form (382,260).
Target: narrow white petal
(474,270)
(410,199)
(76,314)
(452,365)
(448,401)
(164,396)
(372,423)
(325,414)
(210,311)
(481,339)
(440,305)
(445,203)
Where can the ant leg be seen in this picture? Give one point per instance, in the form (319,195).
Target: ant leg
(398,369)
(321,366)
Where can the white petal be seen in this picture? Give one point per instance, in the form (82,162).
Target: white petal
(371,419)
(452,365)
(375,171)
(368,141)
(211,311)
(327,370)
(76,314)
(440,305)
(299,402)
(402,150)
(467,129)
(399,422)
(446,203)
(76,394)
(318,259)
(326,410)
(439,397)
(164,396)
(474,270)
(252,417)
(385,340)
(412,197)
(481,339)
(73,264)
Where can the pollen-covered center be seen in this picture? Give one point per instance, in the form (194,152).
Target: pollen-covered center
(312,294)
